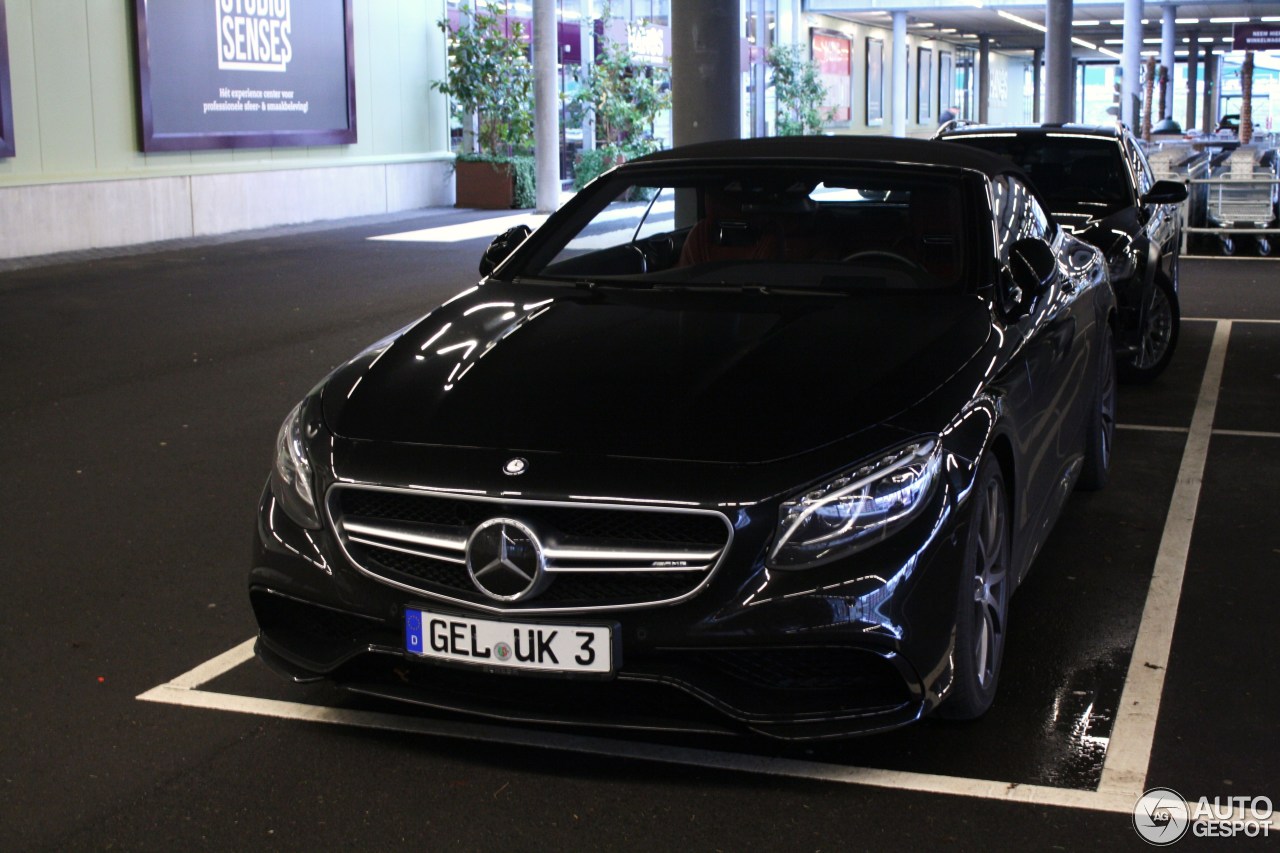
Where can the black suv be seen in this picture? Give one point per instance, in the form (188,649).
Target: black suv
(1097,183)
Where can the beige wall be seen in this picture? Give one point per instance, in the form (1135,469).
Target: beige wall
(79,179)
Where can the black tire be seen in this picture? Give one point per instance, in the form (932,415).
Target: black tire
(982,610)
(1099,439)
(1159,336)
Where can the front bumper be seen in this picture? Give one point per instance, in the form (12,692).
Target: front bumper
(858,646)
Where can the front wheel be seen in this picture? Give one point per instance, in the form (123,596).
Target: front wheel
(1100,438)
(983,608)
(1158,336)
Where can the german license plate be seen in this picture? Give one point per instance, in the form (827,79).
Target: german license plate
(535,646)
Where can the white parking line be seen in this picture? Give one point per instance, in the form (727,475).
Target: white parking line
(1151,428)
(1226,320)
(1133,735)
(1128,754)
(184,690)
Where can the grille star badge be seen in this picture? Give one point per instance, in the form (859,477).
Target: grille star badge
(505,560)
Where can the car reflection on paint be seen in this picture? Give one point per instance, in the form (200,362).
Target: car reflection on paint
(756,436)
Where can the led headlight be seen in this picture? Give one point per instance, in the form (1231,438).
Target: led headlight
(291,475)
(857,509)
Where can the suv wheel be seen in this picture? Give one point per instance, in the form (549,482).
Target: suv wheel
(1158,336)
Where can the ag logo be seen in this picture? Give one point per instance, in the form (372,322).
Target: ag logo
(1161,816)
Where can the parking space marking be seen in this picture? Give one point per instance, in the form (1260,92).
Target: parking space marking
(1129,750)
(1246,433)
(185,691)
(1226,320)
(1133,735)
(1151,428)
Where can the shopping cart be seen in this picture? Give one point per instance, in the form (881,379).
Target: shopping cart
(1242,194)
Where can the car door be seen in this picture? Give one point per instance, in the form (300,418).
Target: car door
(1162,223)
(1055,330)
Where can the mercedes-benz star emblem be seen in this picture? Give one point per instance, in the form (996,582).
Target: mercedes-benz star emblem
(505,560)
(515,466)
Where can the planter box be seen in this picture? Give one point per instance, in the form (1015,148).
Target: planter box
(489,186)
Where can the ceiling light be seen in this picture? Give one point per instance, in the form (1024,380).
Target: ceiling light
(1228,20)
(1090,45)
(1186,20)
(1085,23)
(1110,53)
(1009,16)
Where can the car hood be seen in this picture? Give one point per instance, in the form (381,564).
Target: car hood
(724,376)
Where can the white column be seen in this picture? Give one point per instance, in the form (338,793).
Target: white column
(587,49)
(984,78)
(1168,38)
(1131,63)
(898,80)
(546,106)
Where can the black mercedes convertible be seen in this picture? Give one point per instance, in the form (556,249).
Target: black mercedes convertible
(755,436)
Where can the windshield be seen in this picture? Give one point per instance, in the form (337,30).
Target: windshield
(1074,173)
(797,227)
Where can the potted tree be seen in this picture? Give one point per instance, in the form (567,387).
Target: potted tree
(798,90)
(490,78)
(626,97)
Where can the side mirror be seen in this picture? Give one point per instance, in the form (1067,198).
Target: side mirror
(502,247)
(1166,192)
(1031,267)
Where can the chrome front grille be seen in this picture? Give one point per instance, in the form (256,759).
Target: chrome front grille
(597,556)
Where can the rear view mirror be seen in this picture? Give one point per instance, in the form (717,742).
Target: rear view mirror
(1166,192)
(1031,266)
(502,247)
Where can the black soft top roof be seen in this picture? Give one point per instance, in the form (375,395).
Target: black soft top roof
(1109,130)
(854,149)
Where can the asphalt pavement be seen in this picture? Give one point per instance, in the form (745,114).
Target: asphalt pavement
(140,393)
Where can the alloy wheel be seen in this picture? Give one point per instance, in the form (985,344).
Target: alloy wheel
(990,587)
(1158,331)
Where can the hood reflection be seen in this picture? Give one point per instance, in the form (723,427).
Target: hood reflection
(461,347)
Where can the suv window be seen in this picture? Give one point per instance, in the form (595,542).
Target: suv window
(1141,168)
(1075,173)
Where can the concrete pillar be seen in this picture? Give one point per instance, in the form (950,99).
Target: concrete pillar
(898,80)
(587,53)
(1131,63)
(1168,39)
(1037,82)
(706,100)
(984,78)
(1058,105)
(546,106)
(1077,91)
(1210,118)
(1193,74)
